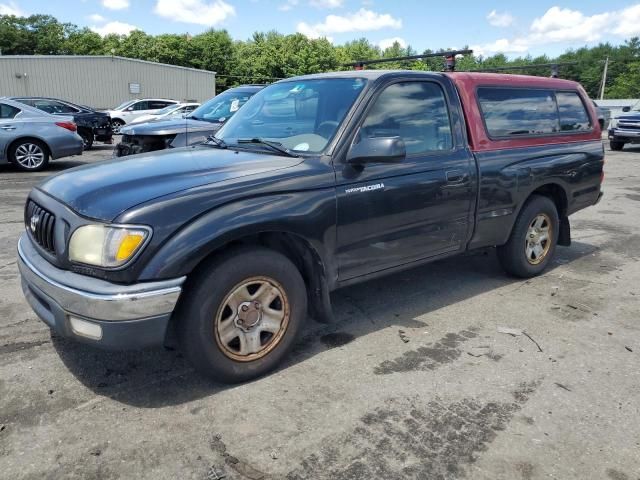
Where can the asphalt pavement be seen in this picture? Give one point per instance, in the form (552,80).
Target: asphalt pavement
(451,370)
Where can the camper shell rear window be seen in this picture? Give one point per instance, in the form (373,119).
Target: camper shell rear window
(525,112)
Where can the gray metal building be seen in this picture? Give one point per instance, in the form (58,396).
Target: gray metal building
(101,81)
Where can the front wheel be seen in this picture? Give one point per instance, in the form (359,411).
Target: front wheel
(533,239)
(616,146)
(241,315)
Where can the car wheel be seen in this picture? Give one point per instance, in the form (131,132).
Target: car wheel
(616,146)
(242,314)
(29,155)
(87,138)
(533,239)
(116,125)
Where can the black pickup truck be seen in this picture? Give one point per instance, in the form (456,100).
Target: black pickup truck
(317,183)
(92,125)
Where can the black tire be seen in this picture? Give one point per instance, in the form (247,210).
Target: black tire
(616,146)
(20,157)
(205,299)
(513,255)
(87,138)
(116,125)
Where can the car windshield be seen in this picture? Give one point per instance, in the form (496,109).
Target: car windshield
(221,107)
(167,109)
(302,115)
(124,105)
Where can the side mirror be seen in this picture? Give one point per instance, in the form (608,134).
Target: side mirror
(626,109)
(129,109)
(377,149)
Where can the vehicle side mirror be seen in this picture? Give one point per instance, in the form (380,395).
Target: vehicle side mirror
(377,149)
(130,109)
(626,109)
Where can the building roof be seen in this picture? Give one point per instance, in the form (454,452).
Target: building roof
(93,57)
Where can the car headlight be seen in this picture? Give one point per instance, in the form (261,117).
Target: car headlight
(613,123)
(107,245)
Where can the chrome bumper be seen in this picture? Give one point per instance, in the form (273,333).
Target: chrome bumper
(621,132)
(140,310)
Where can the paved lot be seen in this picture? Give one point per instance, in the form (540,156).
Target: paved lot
(412,381)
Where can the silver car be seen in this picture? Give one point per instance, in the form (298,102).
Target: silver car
(30,137)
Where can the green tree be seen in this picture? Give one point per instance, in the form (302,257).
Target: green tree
(83,42)
(212,50)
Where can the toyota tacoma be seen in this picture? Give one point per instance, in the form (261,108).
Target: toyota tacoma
(317,183)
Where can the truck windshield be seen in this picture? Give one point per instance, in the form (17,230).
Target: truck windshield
(300,115)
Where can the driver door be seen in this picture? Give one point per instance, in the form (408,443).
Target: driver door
(391,214)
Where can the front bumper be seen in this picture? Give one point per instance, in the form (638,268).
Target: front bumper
(128,316)
(622,134)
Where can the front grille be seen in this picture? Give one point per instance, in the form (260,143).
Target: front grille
(40,223)
(629,126)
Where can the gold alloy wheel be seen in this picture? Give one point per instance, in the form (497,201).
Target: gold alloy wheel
(538,240)
(252,319)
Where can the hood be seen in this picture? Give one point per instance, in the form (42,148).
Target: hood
(105,190)
(170,127)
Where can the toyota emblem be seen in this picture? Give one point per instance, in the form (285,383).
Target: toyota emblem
(34,223)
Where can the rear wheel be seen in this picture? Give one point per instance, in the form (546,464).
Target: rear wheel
(29,155)
(533,239)
(116,125)
(87,138)
(616,146)
(241,316)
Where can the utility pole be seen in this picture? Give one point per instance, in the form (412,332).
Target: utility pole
(604,78)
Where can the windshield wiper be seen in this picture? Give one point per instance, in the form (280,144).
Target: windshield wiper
(218,142)
(273,145)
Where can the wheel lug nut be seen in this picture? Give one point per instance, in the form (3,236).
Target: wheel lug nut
(245,308)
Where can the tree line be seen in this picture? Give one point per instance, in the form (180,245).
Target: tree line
(268,56)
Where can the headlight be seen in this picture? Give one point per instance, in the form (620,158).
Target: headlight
(613,123)
(106,245)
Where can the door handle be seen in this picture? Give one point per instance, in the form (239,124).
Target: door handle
(8,127)
(456,176)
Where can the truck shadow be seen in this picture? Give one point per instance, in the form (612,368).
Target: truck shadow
(156,378)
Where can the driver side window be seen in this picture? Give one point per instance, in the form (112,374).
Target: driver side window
(414,111)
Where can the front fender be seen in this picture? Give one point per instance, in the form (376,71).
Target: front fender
(310,215)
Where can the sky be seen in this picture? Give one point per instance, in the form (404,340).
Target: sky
(488,27)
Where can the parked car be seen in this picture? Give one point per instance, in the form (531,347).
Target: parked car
(180,132)
(179,110)
(625,128)
(29,137)
(132,109)
(92,125)
(317,183)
